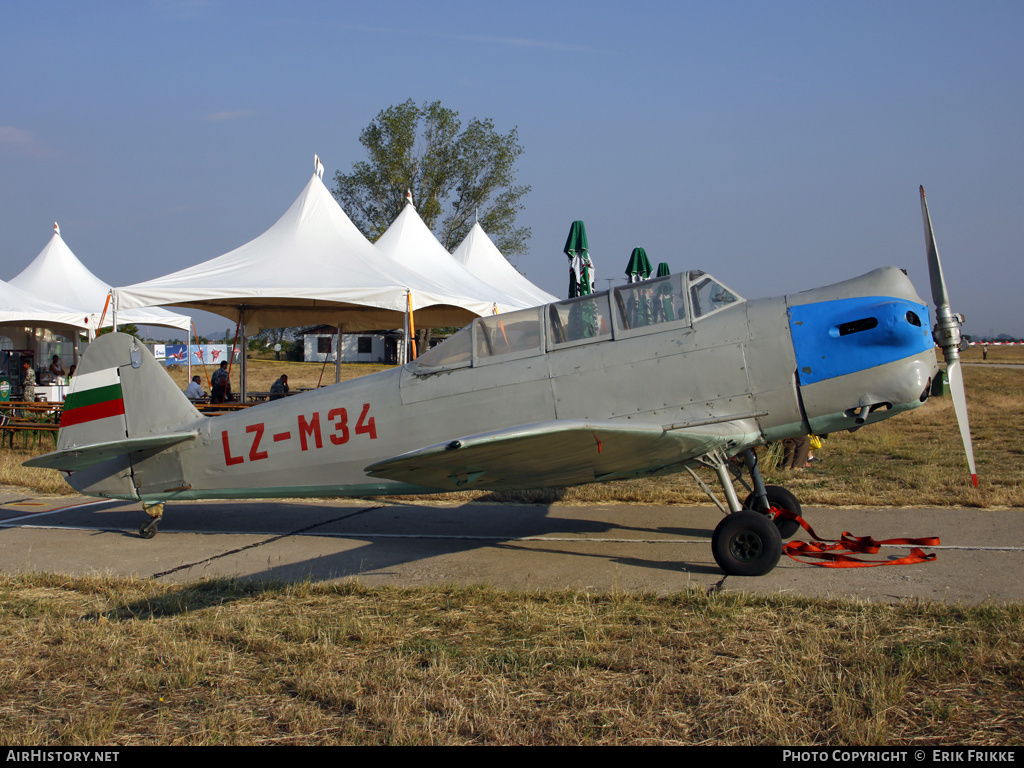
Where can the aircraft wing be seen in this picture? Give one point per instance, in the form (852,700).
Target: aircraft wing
(557,453)
(83,457)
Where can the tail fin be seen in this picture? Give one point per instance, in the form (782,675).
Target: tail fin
(121,402)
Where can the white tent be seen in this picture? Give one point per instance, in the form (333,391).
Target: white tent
(57,274)
(25,321)
(312,266)
(20,308)
(410,242)
(481,257)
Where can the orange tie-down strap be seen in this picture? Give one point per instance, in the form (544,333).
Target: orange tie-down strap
(837,553)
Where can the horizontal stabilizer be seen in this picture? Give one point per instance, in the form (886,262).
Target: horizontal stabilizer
(552,453)
(85,456)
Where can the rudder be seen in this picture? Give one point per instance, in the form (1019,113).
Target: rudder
(121,393)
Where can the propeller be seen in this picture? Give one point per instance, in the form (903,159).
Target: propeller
(947,335)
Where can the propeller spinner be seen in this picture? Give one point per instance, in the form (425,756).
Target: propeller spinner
(947,335)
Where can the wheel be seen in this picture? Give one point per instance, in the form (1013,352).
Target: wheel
(746,544)
(783,499)
(148,530)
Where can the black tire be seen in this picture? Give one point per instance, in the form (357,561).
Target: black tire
(783,499)
(746,544)
(148,530)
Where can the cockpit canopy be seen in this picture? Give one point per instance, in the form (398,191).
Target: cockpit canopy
(636,308)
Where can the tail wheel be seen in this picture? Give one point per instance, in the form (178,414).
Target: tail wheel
(746,544)
(780,498)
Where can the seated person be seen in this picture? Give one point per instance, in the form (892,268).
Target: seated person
(220,384)
(194,391)
(279,388)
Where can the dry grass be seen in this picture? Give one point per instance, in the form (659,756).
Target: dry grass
(1000,354)
(45,481)
(263,373)
(90,661)
(912,460)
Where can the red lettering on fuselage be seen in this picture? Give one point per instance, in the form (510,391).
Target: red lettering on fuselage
(364,427)
(255,453)
(228,458)
(341,425)
(310,428)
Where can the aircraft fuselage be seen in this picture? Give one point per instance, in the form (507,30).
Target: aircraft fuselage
(665,354)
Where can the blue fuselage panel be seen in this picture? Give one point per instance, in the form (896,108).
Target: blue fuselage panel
(834,338)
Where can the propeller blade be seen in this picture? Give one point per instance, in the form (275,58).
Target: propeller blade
(947,335)
(939,295)
(956,389)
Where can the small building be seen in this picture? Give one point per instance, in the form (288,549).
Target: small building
(320,344)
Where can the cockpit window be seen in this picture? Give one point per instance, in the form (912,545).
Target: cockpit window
(454,352)
(587,318)
(513,333)
(707,295)
(650,302)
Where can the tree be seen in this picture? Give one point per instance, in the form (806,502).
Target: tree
(266,339)
(130,328)
(455,176)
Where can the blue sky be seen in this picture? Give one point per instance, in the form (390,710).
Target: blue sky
(777,145)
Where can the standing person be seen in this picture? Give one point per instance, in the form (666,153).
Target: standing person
(797,450)
(56,369)
(220,384)
(279,388)
(28,382)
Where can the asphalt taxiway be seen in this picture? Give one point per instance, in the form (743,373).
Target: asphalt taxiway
(657,549)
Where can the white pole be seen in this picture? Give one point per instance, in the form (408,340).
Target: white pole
(243,369)
(337,356)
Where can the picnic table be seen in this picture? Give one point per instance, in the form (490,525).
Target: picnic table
(262,397)
(32,420)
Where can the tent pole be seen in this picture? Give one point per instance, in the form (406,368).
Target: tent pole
(188,352)
(412,329)
(243,371)
(405,332)
(209,384)
(337,356)
(103,315)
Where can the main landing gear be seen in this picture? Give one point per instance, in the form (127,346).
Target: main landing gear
(748,540)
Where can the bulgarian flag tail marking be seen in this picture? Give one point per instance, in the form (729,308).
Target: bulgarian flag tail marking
(95,395)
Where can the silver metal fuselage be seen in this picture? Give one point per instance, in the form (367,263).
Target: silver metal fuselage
(771,368)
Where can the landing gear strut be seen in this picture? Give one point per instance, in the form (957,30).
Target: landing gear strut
(779,498)
(748,541)
(155,512)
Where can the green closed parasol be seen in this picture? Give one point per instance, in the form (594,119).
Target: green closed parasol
(581,269)
(639,266)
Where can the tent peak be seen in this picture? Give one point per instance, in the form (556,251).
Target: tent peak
(318,167)
(56,228)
